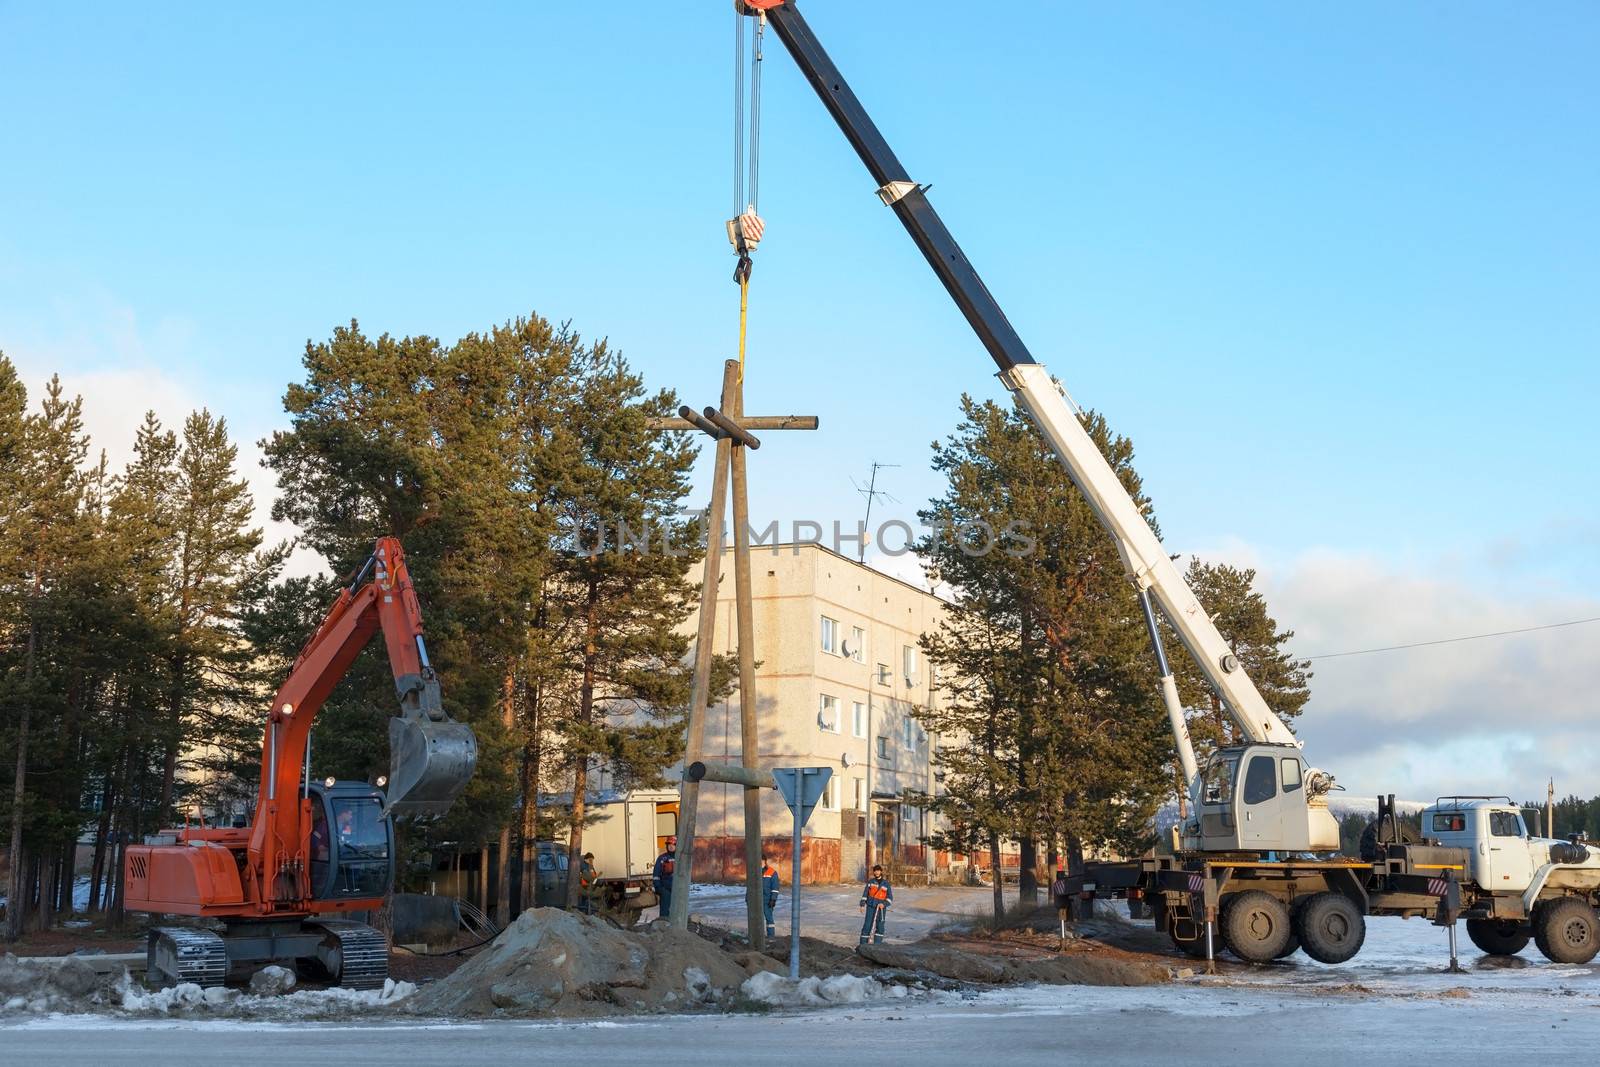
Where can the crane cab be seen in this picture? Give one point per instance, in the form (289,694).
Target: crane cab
(351,854)
(1253,798)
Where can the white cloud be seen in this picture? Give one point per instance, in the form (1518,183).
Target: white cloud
(104,358)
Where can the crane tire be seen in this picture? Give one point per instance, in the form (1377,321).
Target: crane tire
(1331,927)
(1566,930)
(1255,926)
(1499,937)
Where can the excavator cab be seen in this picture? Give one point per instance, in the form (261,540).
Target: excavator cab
(352,842)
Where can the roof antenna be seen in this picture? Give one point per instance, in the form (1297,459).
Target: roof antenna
(871,492)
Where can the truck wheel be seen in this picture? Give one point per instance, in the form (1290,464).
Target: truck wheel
(1331,927)
(1566,930)
(1291,946)
(1498,937)
(1255,926)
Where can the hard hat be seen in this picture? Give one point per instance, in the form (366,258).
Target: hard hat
(672,840)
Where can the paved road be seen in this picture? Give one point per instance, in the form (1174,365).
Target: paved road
(1191,1023)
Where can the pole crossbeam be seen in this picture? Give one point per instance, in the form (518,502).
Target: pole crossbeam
(730,428)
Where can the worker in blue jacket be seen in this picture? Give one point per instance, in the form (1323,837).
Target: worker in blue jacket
(769,892)
(661,875)
(876,897)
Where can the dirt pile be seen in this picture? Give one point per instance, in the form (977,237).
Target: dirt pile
(552,962)
(30,987)
(949,962)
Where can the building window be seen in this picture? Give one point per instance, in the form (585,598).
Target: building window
(883,749)
(828,713)
(858,644)
(883,674)
(860,794)
(908,661)
(858,718)
(830,795)
(830,636)
(911,733)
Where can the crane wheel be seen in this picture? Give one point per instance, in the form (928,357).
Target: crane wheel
(1331,927)
(1566,930)
(1255,926)
(1499,937)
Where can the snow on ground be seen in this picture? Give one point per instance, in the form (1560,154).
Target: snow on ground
(832,912)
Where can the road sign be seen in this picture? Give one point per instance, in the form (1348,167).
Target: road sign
(802,788)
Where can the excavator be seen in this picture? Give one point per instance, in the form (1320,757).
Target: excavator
(294,886)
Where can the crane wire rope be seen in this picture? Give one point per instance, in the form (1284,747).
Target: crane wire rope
(744,230)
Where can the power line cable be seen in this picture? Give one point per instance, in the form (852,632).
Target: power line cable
(1454,640)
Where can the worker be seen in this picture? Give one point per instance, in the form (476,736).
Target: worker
(876,897)
(588,884)
(769,892)
(347,824)
(661,876)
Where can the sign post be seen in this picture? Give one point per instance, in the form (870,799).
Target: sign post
(802,788)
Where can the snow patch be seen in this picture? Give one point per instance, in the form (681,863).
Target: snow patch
(781,992)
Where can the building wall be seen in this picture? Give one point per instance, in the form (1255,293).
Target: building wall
(793,589)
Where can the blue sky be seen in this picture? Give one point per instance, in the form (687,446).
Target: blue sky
(1334,269)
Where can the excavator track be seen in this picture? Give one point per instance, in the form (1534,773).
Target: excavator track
(177,954)
(355,955)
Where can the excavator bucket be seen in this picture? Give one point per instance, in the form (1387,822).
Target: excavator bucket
(430,762)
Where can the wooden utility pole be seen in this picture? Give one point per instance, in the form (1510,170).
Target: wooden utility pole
(729,427)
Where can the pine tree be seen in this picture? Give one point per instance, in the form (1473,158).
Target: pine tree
(622,693)
(1042,654)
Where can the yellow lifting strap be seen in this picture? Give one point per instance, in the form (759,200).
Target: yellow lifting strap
(744,311)
(744,233)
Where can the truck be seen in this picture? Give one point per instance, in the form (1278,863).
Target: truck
(1257,852)
(626,832)
(1473,859)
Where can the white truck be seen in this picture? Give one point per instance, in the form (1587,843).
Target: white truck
(626,832)
(1518,886)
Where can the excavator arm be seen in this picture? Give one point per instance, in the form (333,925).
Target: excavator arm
(1148,564)
(431,756)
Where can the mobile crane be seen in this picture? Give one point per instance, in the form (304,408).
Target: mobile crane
(1245,856)
(290,886)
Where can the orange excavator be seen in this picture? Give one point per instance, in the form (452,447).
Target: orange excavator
(295,886)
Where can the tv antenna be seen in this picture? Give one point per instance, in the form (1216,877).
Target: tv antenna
(871,492)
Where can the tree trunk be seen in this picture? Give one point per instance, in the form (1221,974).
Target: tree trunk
(580,759)
(1027,874)
(999,879)
(97,868)
(503,896)
(532,757)
(17,905)
(169,764)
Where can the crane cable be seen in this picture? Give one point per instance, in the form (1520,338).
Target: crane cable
(745,228)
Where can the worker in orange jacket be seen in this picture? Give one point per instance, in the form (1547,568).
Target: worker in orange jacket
(876,897)
(770,884)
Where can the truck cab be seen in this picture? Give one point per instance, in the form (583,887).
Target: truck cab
(1505,857)
(1253,798)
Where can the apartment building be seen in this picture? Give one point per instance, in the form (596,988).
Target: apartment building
(838,674)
